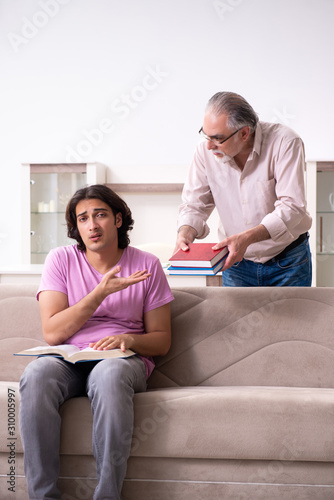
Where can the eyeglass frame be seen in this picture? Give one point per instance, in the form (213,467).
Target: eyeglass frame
(216,141)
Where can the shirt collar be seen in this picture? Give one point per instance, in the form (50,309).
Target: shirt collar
(256,146)
(257,139)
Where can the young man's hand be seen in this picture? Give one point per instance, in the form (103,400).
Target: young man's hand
(155,341)
(111,283)
(122,342)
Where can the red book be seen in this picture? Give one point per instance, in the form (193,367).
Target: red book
(198,255)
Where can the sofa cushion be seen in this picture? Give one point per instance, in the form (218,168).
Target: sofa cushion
(265,423)
(255,423)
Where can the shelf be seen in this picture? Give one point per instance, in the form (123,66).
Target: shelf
(325,166)
(59,168)
(48,213)
(325,212)
(146,188)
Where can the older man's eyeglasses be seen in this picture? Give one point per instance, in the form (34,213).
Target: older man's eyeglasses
(216,139)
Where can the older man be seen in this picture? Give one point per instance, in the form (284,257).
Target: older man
(253,173)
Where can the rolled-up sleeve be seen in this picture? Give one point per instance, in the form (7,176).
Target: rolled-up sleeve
(290,206)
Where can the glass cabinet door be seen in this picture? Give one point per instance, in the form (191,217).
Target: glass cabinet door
(320,203)
(49,195)
(45,200)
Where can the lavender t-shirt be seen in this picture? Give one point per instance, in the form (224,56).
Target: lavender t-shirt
(67,270)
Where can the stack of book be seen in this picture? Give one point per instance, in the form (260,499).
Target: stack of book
(200,259)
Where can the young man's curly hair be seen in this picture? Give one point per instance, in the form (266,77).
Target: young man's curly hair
(105,194)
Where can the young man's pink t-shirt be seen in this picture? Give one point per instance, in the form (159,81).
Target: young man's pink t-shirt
(67,270)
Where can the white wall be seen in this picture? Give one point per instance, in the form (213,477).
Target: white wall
(141,71)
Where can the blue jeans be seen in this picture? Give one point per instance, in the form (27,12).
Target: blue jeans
(110,385)
(294,269)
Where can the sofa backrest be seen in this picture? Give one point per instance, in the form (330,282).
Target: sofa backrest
(220,336)
(20,328)
(280,336)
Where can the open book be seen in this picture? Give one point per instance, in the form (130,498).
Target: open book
(73,354)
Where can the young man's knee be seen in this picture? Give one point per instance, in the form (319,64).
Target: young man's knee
(109,371)
(39,372)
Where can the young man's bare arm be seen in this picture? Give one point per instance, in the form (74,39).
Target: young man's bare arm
(60,322)
(155,342)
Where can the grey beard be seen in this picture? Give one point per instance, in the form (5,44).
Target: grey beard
(222,159)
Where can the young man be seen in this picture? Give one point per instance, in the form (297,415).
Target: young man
(253,173)
(105,294)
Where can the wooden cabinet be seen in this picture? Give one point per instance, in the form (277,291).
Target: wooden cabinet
(46,190)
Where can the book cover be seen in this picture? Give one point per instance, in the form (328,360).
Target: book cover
(198,255)
(73,354)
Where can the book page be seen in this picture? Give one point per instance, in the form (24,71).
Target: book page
(90,354)
(64,349)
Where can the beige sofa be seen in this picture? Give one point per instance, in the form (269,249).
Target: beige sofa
(242,407)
